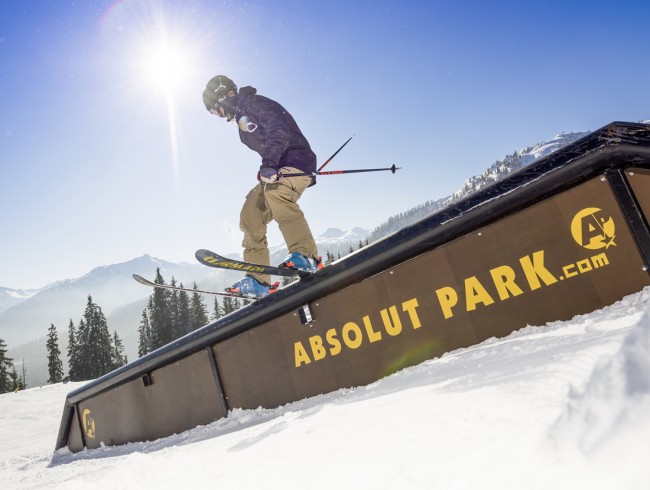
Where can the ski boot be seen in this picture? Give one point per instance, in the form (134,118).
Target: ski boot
(251,287)
(300,262)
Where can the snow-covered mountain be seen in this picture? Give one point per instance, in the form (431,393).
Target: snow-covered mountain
(333,241)
(11,297)
(513,162)
(495,172)
(334,236)
(110,286)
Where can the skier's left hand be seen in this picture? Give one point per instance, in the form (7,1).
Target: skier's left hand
(269,175)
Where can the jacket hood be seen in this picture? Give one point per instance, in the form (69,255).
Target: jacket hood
(248,90)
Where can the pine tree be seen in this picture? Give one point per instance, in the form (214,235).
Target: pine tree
(162,331)
(15,382)
(54,364)
(184,314)
(95,348)
(198,311)
(6,364)
(229,305)
(83,361)
(144,331)
(73,354)
(175,311)
(22,381)
(119,357)
(237,303)
(216,310)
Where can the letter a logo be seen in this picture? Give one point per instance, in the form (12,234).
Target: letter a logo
(88,423)
(592,229)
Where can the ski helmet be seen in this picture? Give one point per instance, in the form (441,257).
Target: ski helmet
(217,90)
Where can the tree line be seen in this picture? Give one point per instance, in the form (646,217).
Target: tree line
(92,352)
(9,378)
(170,314)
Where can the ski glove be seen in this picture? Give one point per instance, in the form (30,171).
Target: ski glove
(268,175)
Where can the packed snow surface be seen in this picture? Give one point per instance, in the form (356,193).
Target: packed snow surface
(566,405)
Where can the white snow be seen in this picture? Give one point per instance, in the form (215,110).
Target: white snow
(18,294)
(566,405)
(529,155)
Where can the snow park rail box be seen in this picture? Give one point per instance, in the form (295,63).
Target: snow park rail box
(564,236)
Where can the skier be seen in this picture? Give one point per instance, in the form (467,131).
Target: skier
(268,129)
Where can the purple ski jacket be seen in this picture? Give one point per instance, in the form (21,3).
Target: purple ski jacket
(275,135)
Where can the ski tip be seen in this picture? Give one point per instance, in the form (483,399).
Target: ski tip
(140,279)
(202,252)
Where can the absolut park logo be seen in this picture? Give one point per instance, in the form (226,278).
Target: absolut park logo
(88,422)
(591,228)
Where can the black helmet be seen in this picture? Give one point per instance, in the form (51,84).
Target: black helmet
(216,91)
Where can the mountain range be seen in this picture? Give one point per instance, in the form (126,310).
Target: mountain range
(10,297)
(25,316)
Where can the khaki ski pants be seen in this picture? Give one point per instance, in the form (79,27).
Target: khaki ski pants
(278,202)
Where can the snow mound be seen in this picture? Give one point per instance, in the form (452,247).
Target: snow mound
(616,395)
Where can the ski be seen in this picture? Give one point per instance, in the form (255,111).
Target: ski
(211,259)
(147,282)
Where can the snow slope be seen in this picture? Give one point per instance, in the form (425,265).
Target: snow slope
(566,405)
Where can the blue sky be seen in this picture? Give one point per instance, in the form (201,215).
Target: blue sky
(108,153)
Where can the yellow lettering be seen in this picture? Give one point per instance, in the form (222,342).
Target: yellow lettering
(504,281)
(600,260)
(300,354)
(535,270)
(334,343)
(584,266)
(409,307)
(317,349)
(567,271)
(372,335)
(475,293)
(392,328)
(348,328)
(448,298)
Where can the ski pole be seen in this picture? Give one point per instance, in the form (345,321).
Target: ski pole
(393,169)
(335,153)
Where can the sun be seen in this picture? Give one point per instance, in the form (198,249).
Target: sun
(159,50)
(164,65)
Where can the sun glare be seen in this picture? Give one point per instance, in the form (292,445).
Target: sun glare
(164,66)
(159,52)
(164,70)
